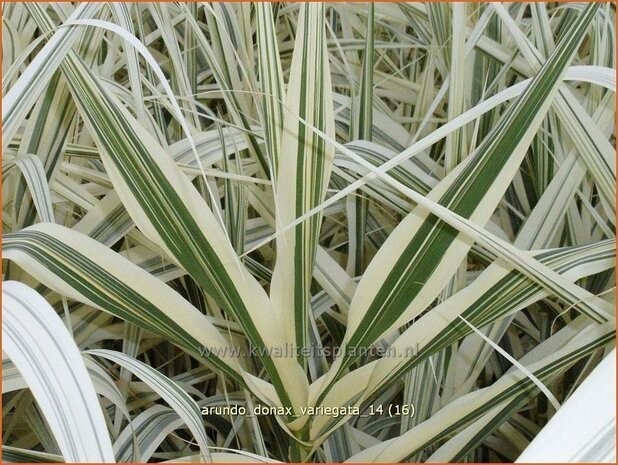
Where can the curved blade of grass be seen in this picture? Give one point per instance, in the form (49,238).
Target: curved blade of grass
(34,175)
(38,343)
(151,427)
(173,394)
(590,437)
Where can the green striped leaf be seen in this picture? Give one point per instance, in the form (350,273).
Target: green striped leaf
(423,250)
(271,80)
(598,155)
(487,299)
(358,206)
(303,174)
(169,215)
(87,271)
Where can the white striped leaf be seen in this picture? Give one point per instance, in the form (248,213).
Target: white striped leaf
(170,391)
(39,344)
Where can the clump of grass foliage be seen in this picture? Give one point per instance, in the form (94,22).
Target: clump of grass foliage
(389,226)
